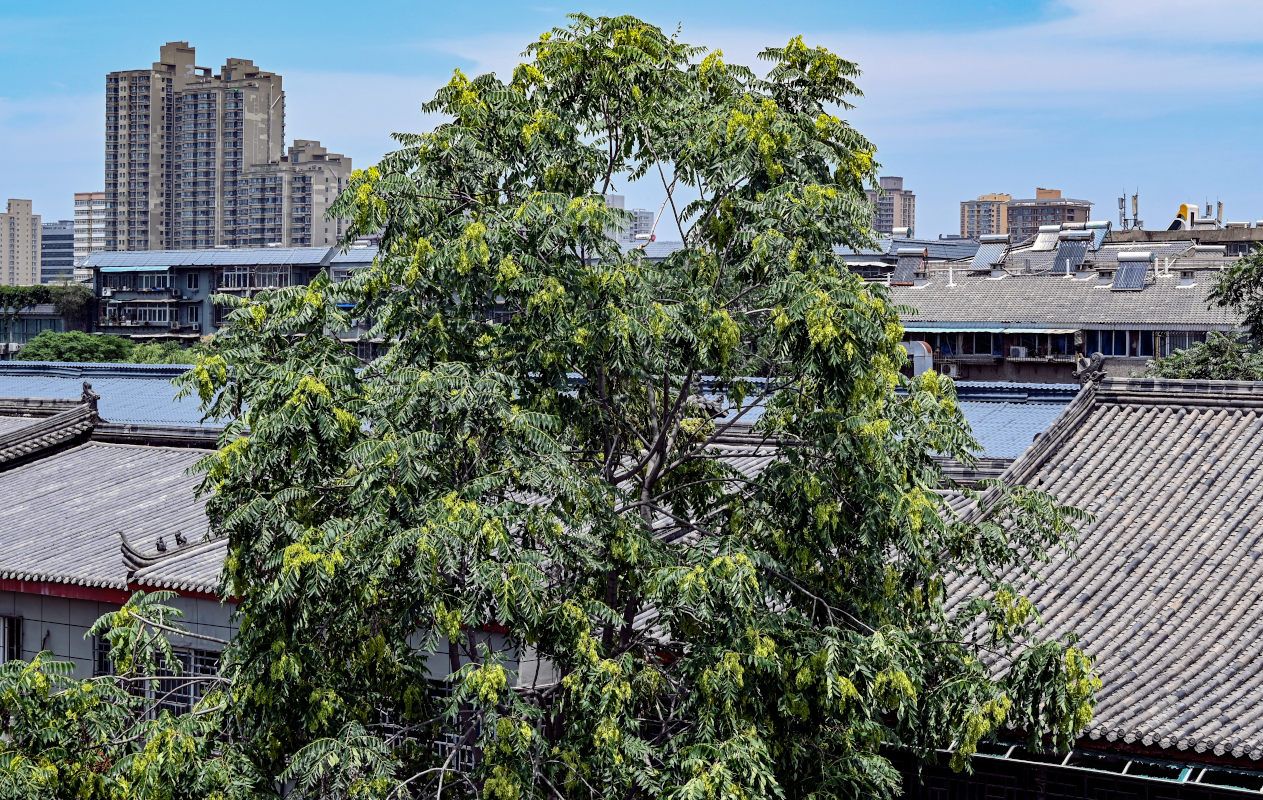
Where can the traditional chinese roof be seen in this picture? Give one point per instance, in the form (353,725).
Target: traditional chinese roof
(1165,585)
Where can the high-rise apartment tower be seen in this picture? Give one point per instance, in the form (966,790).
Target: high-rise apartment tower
(91,213)
(20,241)
(894,206)
(986,216)
(183,147)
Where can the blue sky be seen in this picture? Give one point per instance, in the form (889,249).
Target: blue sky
(1095,97)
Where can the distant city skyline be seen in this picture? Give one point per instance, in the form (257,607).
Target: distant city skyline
(1097,98)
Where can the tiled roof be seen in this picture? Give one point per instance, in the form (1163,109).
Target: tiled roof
(130,393)
(936,249)
(1165,585)
(1058,300)
(64,512)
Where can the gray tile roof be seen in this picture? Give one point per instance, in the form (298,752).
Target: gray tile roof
(64,512)
(1166,583)
(1058,300)
(130,393)
(1027,259)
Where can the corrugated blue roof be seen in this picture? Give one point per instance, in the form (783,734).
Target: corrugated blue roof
(1006,417)
(304,256)
(356,255)
(136,394)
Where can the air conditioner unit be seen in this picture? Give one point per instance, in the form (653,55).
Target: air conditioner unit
(107,292)
(175,292)
(951,370)
(1017,352)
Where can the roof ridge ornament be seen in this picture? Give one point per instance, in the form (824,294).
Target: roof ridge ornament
(90,397)
(1090,369)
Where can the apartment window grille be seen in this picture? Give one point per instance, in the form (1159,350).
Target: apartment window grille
(179,693)
(235,278)
(11,637)
(101,663)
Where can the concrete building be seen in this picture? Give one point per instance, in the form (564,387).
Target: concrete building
(285,201)
(183,147)
(20,241)
(91,213)
(1029,313)
(57,251)
(640,224)
(895,207)
(166,293)
(986,216)
(1047,207)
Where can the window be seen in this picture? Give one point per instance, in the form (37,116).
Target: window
(179,693)
(11,637)
(191,281)
(1120,344)
(982,344)
(101,664)
(194,315)
(235,278)
(1180,340)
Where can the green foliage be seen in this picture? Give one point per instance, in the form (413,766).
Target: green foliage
(1240,288)
(538,508)
(101,348)
(67,737)
(1220,357)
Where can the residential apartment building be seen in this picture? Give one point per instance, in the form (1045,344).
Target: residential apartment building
(640,224)
(1028,313)
(57,251)
(168,293)
(286,201)
(1047,207)
(986,216)
(894,206)
(91,213)
(183,148)
(20,236)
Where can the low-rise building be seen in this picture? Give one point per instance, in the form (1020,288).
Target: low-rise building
(1028,313)
(1161,587)
(166,293)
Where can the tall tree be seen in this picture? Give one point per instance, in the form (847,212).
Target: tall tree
(533,550)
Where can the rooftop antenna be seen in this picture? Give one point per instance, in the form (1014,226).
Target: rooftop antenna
(1122,211)
(1135,210)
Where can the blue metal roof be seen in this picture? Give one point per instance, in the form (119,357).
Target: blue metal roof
(356,255)
(303,256)
(1006,417)
(137,394)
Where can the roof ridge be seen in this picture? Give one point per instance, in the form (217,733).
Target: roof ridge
(1181,391)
